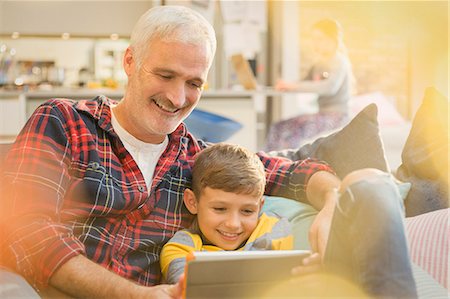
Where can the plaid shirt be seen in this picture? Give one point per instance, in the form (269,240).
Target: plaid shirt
(72,188)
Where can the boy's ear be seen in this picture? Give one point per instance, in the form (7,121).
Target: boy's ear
(263,200)
(190,201)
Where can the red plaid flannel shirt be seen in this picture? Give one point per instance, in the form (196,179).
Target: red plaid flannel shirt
(72,188)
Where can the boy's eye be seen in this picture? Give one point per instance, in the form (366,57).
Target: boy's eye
(247,212)
(219,209)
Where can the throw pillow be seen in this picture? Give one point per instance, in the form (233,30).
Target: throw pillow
(357,145)
(425,161)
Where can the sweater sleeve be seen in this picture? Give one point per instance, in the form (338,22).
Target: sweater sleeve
(173,256)
(337,71)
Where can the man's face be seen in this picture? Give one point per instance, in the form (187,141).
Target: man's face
(164,90)
(227,219)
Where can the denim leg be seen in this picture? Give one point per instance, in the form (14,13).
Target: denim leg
(367,240)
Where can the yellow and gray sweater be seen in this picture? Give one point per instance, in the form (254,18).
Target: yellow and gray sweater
(271,233)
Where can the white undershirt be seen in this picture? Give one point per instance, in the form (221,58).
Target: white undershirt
(145,154)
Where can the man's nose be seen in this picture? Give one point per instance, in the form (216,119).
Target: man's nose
(177,94)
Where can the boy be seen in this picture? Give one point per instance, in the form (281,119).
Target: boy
(228,183)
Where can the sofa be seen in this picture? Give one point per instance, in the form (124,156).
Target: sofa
(378,137)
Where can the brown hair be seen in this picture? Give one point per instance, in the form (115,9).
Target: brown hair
(230,168)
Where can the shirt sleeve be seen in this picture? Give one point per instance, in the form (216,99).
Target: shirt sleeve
(173,256)
(287,178)
(36,173)
(273,232)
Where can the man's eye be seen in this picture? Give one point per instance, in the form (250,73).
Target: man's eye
(196,85)
(165,76)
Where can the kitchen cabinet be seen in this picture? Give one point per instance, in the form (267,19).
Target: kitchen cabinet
(79,18)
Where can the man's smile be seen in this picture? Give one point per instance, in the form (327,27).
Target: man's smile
(164,107)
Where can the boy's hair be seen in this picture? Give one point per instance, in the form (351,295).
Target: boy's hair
(230,168)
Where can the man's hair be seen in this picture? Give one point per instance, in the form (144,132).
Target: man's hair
(230,168)
(171,23)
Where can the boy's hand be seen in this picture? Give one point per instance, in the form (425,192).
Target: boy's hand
(310,264)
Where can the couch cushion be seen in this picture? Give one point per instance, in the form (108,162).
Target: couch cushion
(425,161)
(357,145)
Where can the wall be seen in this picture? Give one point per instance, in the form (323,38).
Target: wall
(81,18)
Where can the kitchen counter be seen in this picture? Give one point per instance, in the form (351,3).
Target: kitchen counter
(67,92)
(62,92)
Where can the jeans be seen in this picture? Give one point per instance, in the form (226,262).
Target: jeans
(367,242)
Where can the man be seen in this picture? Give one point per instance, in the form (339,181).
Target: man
(94,188)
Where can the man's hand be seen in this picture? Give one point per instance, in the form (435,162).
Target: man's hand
(321,192)
(320,228)
(164,291)
(80,277)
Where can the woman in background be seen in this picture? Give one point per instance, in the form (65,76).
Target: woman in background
(330,77)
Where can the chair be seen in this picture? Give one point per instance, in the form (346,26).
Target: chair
(211,127)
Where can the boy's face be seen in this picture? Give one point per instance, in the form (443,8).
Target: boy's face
(226,219)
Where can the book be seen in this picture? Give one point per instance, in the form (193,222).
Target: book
(238,274)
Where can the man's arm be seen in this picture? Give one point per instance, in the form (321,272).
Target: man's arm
(321,192)
(80,277)
(319,185)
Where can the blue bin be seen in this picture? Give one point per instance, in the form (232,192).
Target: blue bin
(211,127)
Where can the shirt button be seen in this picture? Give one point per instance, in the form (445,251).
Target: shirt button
(141,188)
(95,165)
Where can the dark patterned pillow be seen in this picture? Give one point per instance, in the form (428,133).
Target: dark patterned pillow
(357,145)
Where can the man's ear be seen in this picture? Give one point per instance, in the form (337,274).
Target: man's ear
(190,201)
(129,62)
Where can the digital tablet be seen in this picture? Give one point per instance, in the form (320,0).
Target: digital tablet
(238,274)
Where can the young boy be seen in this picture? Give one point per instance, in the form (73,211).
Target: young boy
(228,184)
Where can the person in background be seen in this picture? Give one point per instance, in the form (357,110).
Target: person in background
(226,196)
(94,188)
(330,77)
